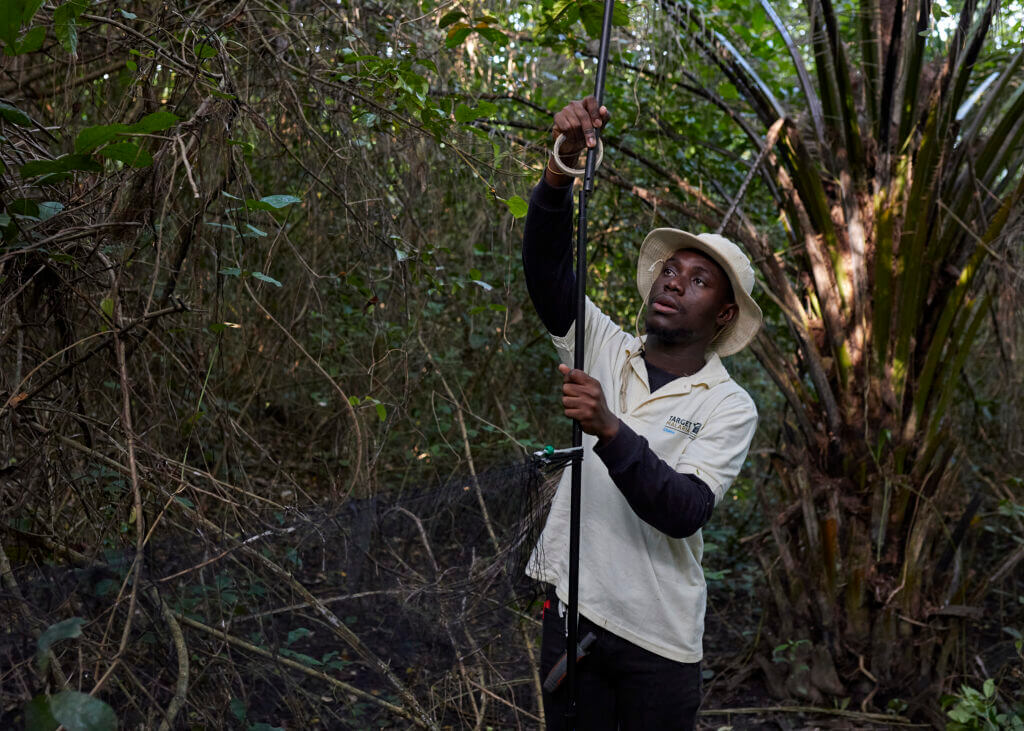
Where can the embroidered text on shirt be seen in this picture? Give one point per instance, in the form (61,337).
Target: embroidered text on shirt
(682,426)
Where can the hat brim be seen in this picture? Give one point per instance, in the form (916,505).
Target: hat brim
(660,244)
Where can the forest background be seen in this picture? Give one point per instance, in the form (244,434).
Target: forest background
(270,376)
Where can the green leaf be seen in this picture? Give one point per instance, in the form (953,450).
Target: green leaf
(264,278)
(29,12)
(247,147)
(382,412)
(238,709)
(92,137)
(591,14)
(107,305)
(300,656)
(132,66)
(126,14)
(129,153)
(32,41)
(280,201)
(10,22)
(49,209)
(493,35)
(53,634)
(517,206)
(620,14)
(38,716)
(156,121)
(231,272)
(728,92)
(271,202)
(204,50)
(457,35)
(23,207)
(465,113)
(65,26)
(14,115)
(252,232)
(298,633)
(450,17)
(53,178)
(63,164)
(81,712)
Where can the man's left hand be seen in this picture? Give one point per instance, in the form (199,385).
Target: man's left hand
(584,401)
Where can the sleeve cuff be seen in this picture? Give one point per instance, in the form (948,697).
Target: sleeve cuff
(717,489)
(618,451)
(550,197)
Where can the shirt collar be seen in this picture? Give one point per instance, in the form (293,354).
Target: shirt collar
(712,374)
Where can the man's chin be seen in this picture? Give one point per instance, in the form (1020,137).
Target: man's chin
(669,336)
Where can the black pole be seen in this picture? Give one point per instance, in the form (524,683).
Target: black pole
(572,641)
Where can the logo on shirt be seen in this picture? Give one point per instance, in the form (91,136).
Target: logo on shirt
(675,425)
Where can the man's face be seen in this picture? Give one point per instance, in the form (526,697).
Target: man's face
(690,300)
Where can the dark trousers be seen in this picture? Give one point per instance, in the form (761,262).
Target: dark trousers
(620,687)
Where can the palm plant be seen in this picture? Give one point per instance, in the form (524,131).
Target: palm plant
(899,187)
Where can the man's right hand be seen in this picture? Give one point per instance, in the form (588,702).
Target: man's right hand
(579,122)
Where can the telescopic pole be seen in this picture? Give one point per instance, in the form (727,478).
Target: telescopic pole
(572,641)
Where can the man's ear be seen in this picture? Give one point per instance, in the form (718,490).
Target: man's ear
(727,314)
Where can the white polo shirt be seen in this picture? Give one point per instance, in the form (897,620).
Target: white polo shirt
(636,581)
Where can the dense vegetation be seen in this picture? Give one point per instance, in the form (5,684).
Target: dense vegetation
(270,373)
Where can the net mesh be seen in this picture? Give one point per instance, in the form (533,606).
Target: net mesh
(430,580)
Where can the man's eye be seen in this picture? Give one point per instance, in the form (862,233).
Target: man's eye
(699,281)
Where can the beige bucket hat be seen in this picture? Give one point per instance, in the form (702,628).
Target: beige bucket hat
(661,243)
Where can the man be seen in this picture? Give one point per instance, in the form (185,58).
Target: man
(666,430)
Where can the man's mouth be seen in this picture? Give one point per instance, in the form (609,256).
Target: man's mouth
(664,305)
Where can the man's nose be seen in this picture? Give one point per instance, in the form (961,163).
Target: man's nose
(675,283)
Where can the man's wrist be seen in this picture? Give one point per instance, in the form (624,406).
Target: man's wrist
(609,431)
(556,177)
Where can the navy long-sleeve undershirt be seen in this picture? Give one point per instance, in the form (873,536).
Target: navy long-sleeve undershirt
(676,504)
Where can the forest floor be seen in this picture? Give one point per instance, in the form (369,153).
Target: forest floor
(447,623)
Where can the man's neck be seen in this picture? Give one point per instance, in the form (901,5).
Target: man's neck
(680,359)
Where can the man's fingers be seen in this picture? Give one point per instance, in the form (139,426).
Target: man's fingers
(585,123)
(599,116)
(573,375)
(563,123)
(575,390)
(579,121)
(577,411)
(569,375)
